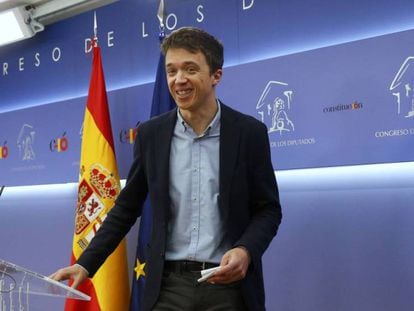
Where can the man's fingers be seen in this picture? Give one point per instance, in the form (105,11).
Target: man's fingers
(75,273)
(58,275)
(52,276)
(226,274)
(223,270)
(225,278)
(76,282)
(233,267)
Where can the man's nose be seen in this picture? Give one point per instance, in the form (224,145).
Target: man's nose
(181,77)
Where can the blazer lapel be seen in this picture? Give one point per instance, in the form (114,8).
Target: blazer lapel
(229,147)
(165,130)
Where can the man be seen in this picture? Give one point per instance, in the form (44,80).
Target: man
(214,198)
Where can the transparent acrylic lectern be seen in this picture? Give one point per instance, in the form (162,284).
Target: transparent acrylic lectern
(17,284)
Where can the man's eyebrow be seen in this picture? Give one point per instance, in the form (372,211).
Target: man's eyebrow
(185,63)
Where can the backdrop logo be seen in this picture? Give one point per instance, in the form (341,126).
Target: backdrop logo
(4,151)
(339,108)
(127,136)
(25,142)
(59,144)
(402,87)
(274,106)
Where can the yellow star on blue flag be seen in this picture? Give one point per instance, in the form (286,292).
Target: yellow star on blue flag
(139,269)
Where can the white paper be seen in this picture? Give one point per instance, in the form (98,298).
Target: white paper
(207,273)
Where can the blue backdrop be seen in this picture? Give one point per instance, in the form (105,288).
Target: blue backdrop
(342,105)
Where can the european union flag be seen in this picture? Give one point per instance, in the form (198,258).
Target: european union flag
(161,102)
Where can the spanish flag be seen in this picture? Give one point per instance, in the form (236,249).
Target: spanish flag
(98,188)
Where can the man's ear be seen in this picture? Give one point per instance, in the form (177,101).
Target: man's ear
(217,76)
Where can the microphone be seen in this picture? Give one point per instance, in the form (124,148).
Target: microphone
(1,190)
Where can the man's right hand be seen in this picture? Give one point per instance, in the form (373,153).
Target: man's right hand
(76,273)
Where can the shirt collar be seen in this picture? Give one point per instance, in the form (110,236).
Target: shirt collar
(212,129)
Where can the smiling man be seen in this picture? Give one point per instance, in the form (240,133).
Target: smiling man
(207,171)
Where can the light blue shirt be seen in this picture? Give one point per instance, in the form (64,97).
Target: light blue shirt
(195,228)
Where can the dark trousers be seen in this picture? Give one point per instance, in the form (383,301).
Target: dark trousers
(180,291)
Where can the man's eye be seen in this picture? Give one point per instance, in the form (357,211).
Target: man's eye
(191,70)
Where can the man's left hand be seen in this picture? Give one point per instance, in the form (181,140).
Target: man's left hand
(233,266)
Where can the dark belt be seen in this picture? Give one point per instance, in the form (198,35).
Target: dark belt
(179,266)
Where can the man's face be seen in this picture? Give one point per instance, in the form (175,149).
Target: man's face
(189,79)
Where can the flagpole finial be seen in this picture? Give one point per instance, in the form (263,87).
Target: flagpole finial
(161,17)
(95,30)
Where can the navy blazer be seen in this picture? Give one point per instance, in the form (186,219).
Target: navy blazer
(248,199)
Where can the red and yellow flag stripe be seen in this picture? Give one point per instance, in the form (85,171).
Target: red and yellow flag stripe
(98,188)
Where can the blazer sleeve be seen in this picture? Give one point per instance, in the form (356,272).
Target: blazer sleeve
(265,208)
(122,216)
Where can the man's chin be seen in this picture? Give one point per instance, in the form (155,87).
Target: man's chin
(184,105)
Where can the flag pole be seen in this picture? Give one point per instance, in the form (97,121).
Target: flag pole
(161,18)
(95,30)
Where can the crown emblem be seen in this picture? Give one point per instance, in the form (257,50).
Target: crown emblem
(103,182)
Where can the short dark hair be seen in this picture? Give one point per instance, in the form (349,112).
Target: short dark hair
(194,40)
